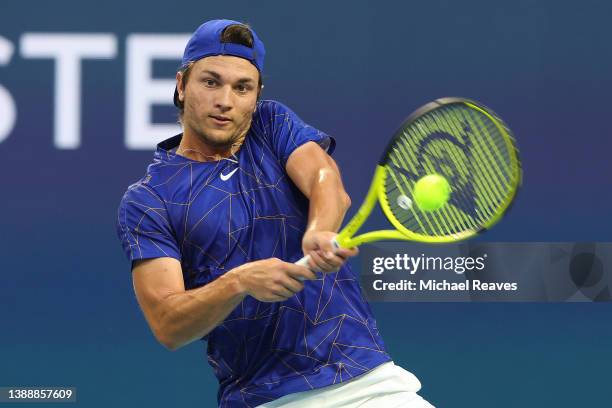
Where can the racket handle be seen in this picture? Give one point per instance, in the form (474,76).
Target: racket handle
(304,261)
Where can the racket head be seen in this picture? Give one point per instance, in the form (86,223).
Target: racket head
(470,146)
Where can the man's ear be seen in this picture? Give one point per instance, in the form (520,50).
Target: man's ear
(179,85)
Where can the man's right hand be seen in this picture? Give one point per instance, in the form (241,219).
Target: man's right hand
(272,280)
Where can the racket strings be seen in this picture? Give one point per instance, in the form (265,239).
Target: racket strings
(470,150)
(451,216)
(496,157)
(404,158)
(405,152)
(461,220)
(490,192)
(462,199)
(429,223)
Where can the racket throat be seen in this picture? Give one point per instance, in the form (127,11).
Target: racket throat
(345,237)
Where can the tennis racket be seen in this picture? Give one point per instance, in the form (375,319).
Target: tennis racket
(460,140)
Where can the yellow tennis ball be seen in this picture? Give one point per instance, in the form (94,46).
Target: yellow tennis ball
(431,192)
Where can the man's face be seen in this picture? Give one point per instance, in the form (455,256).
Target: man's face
(219,99)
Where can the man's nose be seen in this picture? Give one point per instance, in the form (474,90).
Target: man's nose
(224,98)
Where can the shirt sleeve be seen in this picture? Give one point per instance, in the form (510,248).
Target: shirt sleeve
(288,132)
(143,226)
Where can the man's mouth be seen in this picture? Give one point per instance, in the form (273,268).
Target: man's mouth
(220,119)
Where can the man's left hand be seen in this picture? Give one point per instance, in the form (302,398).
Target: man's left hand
(324,257)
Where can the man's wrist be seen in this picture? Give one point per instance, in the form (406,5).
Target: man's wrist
(236,281)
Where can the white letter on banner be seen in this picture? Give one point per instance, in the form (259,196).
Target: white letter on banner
(142,91)
(8,111)
(68,50)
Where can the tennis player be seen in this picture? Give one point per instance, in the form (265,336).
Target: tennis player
(213,230)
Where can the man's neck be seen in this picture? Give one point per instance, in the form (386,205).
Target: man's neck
(194,149)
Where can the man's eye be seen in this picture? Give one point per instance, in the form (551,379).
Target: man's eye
(243,88)
(210,82)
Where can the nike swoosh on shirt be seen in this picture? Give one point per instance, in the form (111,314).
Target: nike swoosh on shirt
(227,176)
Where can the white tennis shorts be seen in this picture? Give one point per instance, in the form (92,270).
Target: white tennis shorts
(387,386)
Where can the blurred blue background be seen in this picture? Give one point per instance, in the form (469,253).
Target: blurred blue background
(355,70)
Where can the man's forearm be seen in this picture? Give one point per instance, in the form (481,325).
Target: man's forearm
(328,202)
(190,315)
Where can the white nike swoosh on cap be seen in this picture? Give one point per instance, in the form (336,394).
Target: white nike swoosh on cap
(227,176)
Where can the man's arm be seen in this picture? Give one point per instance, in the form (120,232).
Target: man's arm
(317,176)
(178,317)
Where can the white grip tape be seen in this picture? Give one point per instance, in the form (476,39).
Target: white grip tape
(303,261)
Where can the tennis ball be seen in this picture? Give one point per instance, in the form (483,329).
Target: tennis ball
(431,192)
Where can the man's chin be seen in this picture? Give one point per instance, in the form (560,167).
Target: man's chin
(218,141)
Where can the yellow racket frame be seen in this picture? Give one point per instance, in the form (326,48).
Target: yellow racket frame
(376,193)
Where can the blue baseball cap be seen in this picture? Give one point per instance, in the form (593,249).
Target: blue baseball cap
(206,41)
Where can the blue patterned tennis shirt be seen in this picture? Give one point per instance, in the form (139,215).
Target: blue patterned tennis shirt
(215,216)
